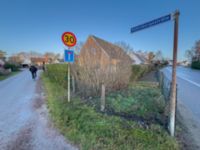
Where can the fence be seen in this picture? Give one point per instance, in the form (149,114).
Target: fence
(165,85)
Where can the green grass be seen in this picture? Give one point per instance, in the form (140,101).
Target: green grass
(91,130)
(142,99)
(3,77)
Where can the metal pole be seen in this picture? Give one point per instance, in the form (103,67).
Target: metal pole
(173,88)
(68,82)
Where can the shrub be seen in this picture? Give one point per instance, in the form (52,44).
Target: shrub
(139,70)
(13,67)
(90,74)
(57,73)
(196,64)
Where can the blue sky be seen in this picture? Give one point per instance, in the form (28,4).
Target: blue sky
(37,25)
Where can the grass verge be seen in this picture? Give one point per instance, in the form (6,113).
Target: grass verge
(88,129)
(142,99)
(3,77)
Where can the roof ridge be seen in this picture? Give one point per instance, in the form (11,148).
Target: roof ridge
(106,41)
(93,37)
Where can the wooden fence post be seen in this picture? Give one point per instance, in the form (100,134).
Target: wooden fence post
(102,97)
(73,84)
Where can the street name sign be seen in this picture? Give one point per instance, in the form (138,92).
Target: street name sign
(151,23)
(69,56)
(69,39)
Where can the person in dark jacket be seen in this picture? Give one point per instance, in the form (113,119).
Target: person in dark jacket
(43,66)
(33,71)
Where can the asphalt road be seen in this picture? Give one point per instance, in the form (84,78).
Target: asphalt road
(188,81)
(24,121)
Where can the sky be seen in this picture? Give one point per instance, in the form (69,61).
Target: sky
(37,25)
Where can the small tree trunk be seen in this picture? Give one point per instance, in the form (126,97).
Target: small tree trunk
(102,97)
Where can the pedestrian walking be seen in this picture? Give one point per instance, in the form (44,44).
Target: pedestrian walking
(43,66)
(33,71)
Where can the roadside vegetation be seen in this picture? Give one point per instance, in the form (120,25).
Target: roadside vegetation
(132,118)
(12,67)
(193,55)
(196,65)
(140,70)
(8,70)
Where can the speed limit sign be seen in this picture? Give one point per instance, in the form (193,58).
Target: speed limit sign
(69,39)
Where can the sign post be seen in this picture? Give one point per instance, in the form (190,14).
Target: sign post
(173,93)
(69,39)
(173,85)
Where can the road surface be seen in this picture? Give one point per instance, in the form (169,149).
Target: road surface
(24,121)
(188,81)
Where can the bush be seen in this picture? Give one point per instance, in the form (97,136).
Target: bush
(89,79)
(195,65)
(89,129)
(139,70)
(57,73)
(13,67)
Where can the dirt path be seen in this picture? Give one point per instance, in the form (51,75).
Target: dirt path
(25,124)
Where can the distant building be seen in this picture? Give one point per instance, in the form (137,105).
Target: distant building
(184,63)
(39,60)
(100,54)
(138,57)
(26,62)
(1,63)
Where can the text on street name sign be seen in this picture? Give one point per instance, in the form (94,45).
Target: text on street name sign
(151,23)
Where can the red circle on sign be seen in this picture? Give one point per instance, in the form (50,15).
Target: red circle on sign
(69,43)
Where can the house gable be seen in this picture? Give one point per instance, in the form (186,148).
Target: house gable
(102,53)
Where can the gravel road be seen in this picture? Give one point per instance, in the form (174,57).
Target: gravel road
(24,121)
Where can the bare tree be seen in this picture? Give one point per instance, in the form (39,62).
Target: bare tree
(189,54)
(151,56)
(2,55)
(194,52)
(159,55)
(35,54)
(78,47)
(125,46)
(52,57)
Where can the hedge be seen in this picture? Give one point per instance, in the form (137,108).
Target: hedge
(57,73)
(196,64)
(13,67)
(139,70)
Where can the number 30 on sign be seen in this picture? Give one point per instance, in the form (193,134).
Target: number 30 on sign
(69,39)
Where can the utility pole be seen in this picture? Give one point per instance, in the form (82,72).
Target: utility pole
(173,84)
